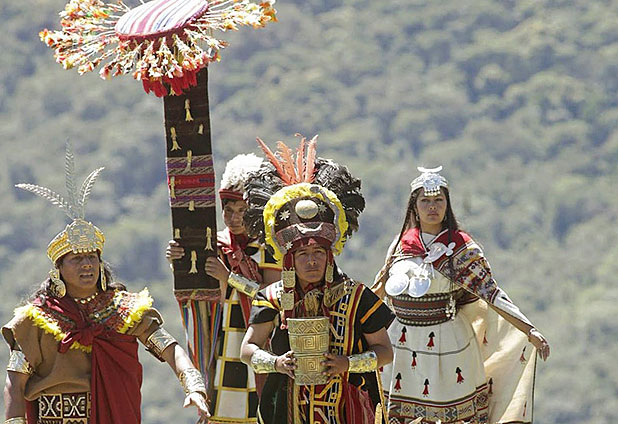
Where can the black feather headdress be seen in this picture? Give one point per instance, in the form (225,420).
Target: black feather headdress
(262,185)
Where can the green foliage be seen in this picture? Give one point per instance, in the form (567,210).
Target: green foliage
(517,99)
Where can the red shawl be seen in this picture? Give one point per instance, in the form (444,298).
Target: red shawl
(116,376)
(471,269)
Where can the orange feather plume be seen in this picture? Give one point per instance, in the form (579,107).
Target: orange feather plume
(287,161)
(274,160)
(311,155)
(289,170)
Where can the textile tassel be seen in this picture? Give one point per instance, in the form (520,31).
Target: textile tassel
(398,382)
(460,378)
(175,145)
(173,187)
(522,358)
(189,158)
(201,129)
(188,116)
(208,239)
(430,343)
(192,205)
(426,391)
(378,414)
(176,233)
(413,360)
(193,269)
(485,338)
(402,339)
(491,387)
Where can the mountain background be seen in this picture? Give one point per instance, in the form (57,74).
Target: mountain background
(518,100)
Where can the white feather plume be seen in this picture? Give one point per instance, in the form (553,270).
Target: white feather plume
(237,170)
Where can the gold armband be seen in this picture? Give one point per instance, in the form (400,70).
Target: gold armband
(16,420)
(158,341)
(363,362)
(263,362)
(192,381)
(19,363)
(243,284)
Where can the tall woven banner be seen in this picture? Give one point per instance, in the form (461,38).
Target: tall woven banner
(191,183)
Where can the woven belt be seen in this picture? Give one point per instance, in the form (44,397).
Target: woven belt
(64,408)
(429,309)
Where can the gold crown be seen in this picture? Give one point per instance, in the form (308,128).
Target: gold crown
(78,237)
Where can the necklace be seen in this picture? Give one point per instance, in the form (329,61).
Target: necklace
(84,300)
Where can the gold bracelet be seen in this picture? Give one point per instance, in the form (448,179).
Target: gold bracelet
(16,420)
(243,284)
(158,341)
(363,362)
(263,362)
(19,363)
(192,381)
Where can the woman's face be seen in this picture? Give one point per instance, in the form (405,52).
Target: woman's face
(80,272)
(233,213)
(431,210)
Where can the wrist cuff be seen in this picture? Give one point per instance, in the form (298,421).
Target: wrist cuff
(243,284)
(363,362)
(192,381)
(16,420)
(263,362)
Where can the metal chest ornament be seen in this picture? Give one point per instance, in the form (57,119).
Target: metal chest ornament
(407,276)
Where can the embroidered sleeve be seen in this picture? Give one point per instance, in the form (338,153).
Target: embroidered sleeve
(476,277)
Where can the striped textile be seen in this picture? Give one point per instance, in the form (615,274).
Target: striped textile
(159,17)
(421,311)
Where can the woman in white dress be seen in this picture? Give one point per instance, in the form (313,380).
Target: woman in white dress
(464,353)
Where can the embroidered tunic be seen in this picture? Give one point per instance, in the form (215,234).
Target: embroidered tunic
(474,366)
(37,331)
(354,311)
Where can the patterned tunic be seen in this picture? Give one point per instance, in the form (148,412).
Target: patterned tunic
(234,396)
(473,366)
(355,311)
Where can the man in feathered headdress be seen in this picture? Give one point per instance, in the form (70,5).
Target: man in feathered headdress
(242,268)
(74,342)
(327,332)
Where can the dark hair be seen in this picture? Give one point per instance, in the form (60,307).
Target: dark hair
(44,291)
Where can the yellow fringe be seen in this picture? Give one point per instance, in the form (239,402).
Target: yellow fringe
(142,303)
(48,325)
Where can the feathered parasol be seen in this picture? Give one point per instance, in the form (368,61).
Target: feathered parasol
(161,43)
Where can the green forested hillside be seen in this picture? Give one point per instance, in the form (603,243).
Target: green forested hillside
(518,100)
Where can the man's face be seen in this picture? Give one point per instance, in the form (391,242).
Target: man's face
(310,264)
(80,272)
(233,213)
